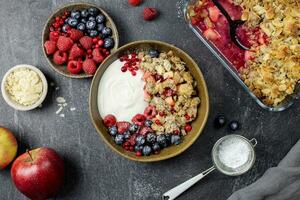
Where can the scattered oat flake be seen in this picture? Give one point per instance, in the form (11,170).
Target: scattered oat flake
(57,88)
(62,115)
(59,110)
(60,100)
(65,104)
(52,84)
(72,109)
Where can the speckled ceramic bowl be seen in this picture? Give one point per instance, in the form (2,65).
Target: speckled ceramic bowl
(198,124)
(62,69)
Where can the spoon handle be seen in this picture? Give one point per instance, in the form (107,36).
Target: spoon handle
(223,11)
(176,191)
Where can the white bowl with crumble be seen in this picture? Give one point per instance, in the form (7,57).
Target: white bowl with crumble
(24,87)
(148,100)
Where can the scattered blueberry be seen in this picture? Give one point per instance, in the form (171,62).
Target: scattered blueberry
(106,31)
(72,22)
(162,141)
(100,27)
(90,25)
(81,26)
(127,135)
(64,28)
(234,125)
(148,122)
(133,128)
(84,13)
(220,121)
(109,43)
(138,148)
(156,147)
(100,19)
(93,11)
(119,139)
(75,14)
(91,18)
(151,138)
(175,139)
(93,33)
(153,53)
(147,150)
(113,130)
(140,140)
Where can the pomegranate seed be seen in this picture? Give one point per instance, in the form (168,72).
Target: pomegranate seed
(121,59)
(136,68)
(107,53)
(97,46)
(133,55)
(95,40)
(100,43)
(133,63)
(61,22)
(133,73)
(63,17)
(123,69)
(55,33)
(157,122)
(57,18)
(89,51)
(188,128)
(161,114)
(126,65)
(67,13)
(176,132)
(126,148)
(90,56)
(187,117)
(56,25)
(138,153)
(51,29)
(131,148)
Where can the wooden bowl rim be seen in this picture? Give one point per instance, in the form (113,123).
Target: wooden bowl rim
(112,23)
(193,139)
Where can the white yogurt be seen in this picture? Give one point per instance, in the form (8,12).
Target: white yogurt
(121,94)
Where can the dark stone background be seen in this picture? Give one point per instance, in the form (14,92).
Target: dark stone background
(93,170)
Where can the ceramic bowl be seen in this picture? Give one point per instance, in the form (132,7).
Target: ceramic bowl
(15,104)
(198,124)
(62,69)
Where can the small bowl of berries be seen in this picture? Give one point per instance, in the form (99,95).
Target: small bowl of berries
(77,38)
(149,101)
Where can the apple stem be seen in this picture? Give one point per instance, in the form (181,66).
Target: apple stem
(29,154)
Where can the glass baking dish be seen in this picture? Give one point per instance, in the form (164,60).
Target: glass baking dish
(289,100)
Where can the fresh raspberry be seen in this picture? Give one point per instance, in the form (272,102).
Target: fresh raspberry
(150,13)
(64,43)
(74,67)
(144,130)
(89,66)
(53,36)
(75,52)
(86,42)
(188,128)
(60,58)
(138,119)
(150,112)
(50,47)
(134,2)
(132,138)
(75,34)
(97,56)
(122,126)
(109,120)
(138,153)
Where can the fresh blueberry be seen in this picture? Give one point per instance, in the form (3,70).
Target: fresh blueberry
(148,123)
(151,138)
(147,150)
(168,139)
(91,18)
(72,22)
(113,130)
(108,43)
(83,20)
(100,27)
(153,53)
(75,14)
(133,128)
(66,20)
(138,148)
(93,33)
(90,25)
(106,31)
(234,125)
(220,121)
(127,135)
(84,13)
(100,19)
(140,140)
(93,11)
(64,28)
(155,147)
(175,139)
(81,26)
(161,140)
(119,139)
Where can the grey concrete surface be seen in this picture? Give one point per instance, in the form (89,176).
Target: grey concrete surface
(93,170)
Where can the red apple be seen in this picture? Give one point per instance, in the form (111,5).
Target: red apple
(39,173)
(8,147)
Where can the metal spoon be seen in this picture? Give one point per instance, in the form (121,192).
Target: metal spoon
(233,25)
